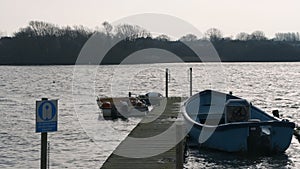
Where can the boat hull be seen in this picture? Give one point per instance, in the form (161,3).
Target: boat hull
(237,138)
(113,113)
(114,108)
(261,134)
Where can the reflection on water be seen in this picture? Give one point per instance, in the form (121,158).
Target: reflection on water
(204,158)
(84,140)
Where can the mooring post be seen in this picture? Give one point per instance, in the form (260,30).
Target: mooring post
(44,148)
(167,81)
(179,146)
(191,82)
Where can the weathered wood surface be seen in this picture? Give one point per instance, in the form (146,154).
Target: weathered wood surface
(150,126)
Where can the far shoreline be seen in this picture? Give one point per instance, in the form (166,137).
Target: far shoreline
(258,62)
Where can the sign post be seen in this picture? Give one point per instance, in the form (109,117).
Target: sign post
(46,121)
(167,82)
(44,150)
(191,82)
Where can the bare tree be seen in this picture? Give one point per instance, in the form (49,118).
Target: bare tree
(243,36)
(108,28)
(213,34)
(82,31)
(143,33)
(163,37)
(131,32)
(24,32)
(189,37)
(40,28)
(290,36)
(258,35)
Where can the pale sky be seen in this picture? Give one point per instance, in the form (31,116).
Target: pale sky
(230,16)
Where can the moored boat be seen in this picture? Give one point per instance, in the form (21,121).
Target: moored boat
(125,107)
(228,123)
(113,108)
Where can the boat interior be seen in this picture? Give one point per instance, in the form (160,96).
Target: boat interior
(215,108)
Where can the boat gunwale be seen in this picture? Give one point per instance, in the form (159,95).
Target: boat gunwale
(274,123)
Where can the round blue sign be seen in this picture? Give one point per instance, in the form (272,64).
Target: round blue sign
(50,109)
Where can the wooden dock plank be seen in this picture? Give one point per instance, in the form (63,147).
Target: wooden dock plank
(165,160)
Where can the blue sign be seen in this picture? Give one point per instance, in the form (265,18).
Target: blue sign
(46,116)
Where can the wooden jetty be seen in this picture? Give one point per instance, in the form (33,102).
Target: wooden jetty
(170,159)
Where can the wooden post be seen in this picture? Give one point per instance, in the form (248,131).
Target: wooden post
(167,81)
(191,82)
(179,146)
(44,148)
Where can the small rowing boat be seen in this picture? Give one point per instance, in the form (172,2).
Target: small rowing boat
(228,123)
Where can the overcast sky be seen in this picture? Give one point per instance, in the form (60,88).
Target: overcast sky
(230,16)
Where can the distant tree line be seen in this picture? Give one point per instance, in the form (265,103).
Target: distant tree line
(46,43)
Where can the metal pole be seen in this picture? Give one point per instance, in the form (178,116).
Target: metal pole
(48,153)
(167,81)
(44,151)
(191,82)
(44,148)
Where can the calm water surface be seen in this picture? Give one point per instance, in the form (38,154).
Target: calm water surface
(85,140)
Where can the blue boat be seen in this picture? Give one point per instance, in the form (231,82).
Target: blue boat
(228,123)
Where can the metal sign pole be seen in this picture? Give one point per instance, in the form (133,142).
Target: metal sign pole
(44,147)
(48,155)
(191,82)
(167,81)
(44,151)
(46,121)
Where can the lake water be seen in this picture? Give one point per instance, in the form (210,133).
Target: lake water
(85,140)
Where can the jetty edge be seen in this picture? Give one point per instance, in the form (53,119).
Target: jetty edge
(170,159)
